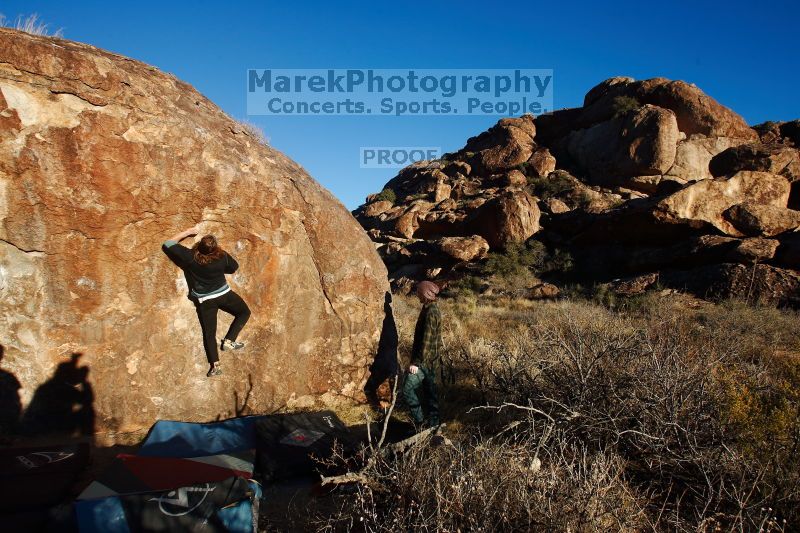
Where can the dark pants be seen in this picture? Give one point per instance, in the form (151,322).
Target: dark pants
(423,380)
(229,302)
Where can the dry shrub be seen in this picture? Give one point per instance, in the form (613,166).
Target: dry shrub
(672,415)
(254,131)
(487,485)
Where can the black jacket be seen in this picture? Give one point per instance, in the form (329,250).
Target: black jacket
(202,279)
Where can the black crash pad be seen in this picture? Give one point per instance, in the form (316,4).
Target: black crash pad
(288,443)
(40,477)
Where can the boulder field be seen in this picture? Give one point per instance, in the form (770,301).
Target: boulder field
(649,183)
(101,159)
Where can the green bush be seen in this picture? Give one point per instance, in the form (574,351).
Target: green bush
(519,259)
(603,294)
(623,105)
(552,185)
(468,285)
(386,195)
(515,260)
(558,261)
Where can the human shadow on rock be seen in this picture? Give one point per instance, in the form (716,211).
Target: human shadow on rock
(10,405)
(64,404)
(385,365)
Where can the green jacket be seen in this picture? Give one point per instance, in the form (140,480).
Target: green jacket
(427,337)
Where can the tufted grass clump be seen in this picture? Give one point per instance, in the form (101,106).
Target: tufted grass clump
(30,24)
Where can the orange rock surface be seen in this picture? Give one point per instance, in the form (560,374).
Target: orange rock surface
(101,159)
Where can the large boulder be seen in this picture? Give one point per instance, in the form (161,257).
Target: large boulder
(692,158)
(755,250)
(420,178)
(541,163)
(101,159)
(762,284)
(377,207)
(644,184)
(505,145)
(408,223)
(514,178)
(510,217)
(695,111)
(641,142)
(694,210)
(704,203)
(765,220)
(602,89)
(464,248)
(555,206)
(778,159)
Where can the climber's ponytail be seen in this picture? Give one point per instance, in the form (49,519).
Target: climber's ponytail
(207,250)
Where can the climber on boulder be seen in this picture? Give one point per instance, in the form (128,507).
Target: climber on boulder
(205,265)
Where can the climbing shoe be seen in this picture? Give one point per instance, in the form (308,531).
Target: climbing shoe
(228,344)
(214,371)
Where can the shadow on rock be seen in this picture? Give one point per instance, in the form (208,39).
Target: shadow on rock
(64,404)
(10,405)
(385,365)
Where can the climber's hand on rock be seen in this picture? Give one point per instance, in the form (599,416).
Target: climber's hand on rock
(413,369)
(178,237)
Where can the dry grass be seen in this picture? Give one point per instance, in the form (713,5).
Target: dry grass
(666,415)
(254,131)
(499,486)
(30,24)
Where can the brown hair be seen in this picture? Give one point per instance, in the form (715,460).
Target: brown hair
(207,250)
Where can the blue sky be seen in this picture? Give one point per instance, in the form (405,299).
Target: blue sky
(743,54)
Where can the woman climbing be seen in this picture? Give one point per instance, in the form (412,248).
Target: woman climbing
(205,266)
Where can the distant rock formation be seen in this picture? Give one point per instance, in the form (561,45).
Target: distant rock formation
(644,184)
(101,159)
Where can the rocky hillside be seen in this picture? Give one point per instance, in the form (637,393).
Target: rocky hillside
(649,183)
(101,159)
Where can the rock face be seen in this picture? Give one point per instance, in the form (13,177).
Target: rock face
(762,284)
(695,111)
(775,158)
(647,181)
(505,145)
(464,248)
(639,143)
(511,217)
(706,201)
(755,219)
(101,159)
(693,156)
